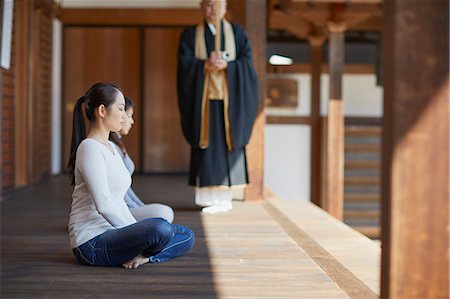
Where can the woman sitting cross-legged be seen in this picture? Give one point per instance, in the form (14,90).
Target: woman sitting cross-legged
(102,230)
(137,208)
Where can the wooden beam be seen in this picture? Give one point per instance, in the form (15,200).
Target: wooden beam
(316,42)
(318,15)
(289,120)
(335,125)
(415,215)
(93,16)
(294,24)
(372,23)
(302,17)
(250,15)
(23,55)
(337,1)
(306,68)
(359,17)
(33,105)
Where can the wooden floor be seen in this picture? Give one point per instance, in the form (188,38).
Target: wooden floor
(271,249)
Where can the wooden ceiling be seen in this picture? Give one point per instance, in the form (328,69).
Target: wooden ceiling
(305,18)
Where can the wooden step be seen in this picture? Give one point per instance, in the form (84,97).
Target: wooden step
(364,214)
(363,131)
(362,164)
(362,148)
(373,232)
(361,197)
(362,180)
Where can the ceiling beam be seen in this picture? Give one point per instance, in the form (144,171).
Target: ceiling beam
(292,23)
(312,2)
(300,18)
(94,16)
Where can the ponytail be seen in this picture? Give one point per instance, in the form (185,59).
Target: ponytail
(78,134)
(98,94)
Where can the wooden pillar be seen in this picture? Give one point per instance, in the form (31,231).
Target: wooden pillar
(335,124)
(315,42)
(415,205)
(251,15)
(23,11)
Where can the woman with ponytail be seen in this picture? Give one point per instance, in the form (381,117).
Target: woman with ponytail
(138,209)
(102,230)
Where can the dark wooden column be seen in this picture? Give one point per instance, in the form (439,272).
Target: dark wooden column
(415,227)
(335,124)
(23,11)
(251,15)
(315,45)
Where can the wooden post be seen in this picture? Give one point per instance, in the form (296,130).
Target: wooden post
(335,125)
(23,86)
(415,205)
(315,42)
(251,15)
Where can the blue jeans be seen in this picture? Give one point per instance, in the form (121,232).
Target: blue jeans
(154,238)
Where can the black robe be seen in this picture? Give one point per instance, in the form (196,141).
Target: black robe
(216,165)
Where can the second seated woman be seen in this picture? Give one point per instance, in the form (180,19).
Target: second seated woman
(138,209)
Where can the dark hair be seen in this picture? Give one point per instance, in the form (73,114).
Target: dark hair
(113,136)
(129,103)
(98,94)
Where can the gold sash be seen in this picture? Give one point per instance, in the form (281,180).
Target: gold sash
(215,85)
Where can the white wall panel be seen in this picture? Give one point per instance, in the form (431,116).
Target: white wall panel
(362,97)
(287,161)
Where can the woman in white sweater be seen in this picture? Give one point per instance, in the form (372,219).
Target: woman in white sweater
(138,209)
(102,230)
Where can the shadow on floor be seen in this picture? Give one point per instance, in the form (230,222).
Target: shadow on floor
(36,260)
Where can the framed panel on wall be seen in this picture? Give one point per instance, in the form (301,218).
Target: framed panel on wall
(288,94)
(282,92)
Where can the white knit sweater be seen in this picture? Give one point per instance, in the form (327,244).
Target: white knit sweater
(101,180)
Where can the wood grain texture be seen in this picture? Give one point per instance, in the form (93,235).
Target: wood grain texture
(416,172)
(27,97)
(22,50)
(39,133)
(335,131)
(300,18)
(95,54)
(251,15)
(244,253)
(307,69)
(333,262)
(141,17)
(165,149)
(316,44)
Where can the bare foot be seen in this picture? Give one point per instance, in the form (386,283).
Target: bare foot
(135,262)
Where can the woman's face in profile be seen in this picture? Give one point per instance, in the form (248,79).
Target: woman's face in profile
(128,123)
(115,114)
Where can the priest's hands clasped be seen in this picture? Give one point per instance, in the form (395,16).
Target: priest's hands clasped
(215,62)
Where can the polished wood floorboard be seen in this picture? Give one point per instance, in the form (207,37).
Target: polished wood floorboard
(245,253)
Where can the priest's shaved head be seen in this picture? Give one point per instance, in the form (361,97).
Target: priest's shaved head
(213,8)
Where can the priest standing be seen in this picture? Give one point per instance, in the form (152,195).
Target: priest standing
(218,100)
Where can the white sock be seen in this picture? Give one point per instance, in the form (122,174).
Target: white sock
(215,209)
